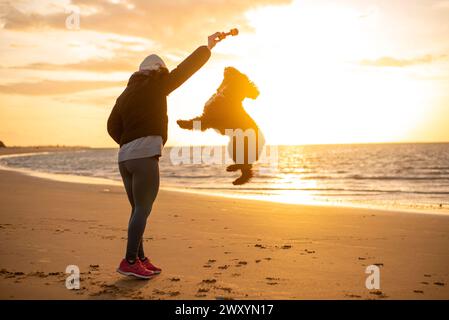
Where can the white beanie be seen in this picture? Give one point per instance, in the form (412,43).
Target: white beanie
(152,62)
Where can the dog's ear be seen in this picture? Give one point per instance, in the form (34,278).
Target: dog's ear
(230,71)
(228,77)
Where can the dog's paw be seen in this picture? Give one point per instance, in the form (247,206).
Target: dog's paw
(244,178)
(241,180)
(233,167)
(185,124)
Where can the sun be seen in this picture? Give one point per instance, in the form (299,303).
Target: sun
(306,61)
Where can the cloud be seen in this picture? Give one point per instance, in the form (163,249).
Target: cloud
(442,4)
(93,65)
(175,24)
(394,62)
(99,100)
(119,34)
(50,87)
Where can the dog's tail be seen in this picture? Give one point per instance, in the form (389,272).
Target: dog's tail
(185,124)
(188,124)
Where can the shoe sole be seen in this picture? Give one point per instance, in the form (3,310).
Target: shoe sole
(134,274)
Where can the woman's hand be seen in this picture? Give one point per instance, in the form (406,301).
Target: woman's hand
(213,39)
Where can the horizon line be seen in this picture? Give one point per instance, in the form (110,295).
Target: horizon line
(211,145)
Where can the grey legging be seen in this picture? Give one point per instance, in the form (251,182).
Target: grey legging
(141,180)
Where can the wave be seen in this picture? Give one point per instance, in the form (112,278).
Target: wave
(319,189)
(360,177)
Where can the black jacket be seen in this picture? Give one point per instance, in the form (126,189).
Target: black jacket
(141,110)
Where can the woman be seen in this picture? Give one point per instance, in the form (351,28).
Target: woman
(138,123)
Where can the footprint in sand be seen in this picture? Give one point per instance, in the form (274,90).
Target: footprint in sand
(94,267)
(61,230)
(350,295)
(260,246)
(174,279)
(209,281)
(228,290)
(11,274)
(379,293)
(272,281)
(107,289)
(439,283)
(38,274)
(158,292)
(286,246)
(241,263)
(224,267)
(418,291)
(379,264)
(209,263)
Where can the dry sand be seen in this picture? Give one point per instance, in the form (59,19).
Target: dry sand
(212,247)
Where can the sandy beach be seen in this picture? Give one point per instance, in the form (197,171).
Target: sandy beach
(212,247)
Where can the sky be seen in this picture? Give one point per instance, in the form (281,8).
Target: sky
(349,71)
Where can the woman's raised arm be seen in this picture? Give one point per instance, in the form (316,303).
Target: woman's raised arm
(191,64)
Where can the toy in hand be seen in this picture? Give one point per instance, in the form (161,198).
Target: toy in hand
(232,32)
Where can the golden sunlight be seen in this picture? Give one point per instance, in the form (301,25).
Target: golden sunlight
(313,89)
(345,72)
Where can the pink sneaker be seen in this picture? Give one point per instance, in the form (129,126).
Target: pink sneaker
(137,270)
(149,266)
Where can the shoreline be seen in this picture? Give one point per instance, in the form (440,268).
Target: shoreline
(72,178)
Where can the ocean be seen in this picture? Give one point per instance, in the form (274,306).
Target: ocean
(412,177)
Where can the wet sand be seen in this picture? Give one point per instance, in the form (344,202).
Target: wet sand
(212,247)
